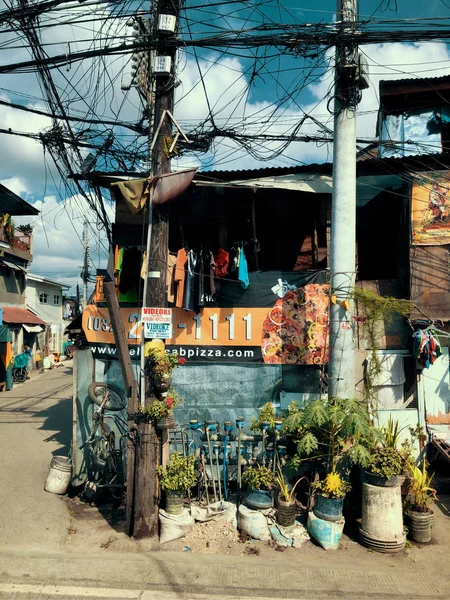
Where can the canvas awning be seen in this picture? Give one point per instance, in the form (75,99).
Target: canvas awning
(33,328)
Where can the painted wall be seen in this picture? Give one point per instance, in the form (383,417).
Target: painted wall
(12,287)
(50,312)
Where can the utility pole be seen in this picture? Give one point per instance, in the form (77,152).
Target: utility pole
(86,263)
(341,375)
(160,97)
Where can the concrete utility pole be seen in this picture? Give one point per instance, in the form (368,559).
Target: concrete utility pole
(341,375)
(86,263)
(160,97)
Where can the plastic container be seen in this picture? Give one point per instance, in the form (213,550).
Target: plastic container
(259,499)
(174,503)
(59,475)
(286,513)
(421,525)
(329,509)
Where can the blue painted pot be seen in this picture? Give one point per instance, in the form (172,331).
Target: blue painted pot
(329,509)
(259,499)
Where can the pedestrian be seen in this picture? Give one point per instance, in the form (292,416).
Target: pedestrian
(27,351)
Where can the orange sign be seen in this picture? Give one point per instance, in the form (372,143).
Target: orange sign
(97,325)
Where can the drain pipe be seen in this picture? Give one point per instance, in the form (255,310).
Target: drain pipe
(278,425)
(265,426)
(216,449)
(211,426)
(228,428)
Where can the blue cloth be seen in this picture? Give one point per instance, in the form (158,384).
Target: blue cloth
(243,270)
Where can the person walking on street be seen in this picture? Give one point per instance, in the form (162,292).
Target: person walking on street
(27,351)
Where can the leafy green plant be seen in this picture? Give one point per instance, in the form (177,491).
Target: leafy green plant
(160,409)
(266,413)
(258,477)
(159,363)
(424,494)
(391,433)
(375,309)
(332,429)
(385,462)
(179,474)
(333,486)
(286,494)
(25,229)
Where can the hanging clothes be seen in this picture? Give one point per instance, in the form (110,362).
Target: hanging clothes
(221,260)
(170,277)
(209,267)
(180,276)
(243,270)
(426,347)
(189,287)
(128,267)
(200,280)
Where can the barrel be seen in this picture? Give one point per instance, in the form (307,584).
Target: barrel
(59,475)
(174,503)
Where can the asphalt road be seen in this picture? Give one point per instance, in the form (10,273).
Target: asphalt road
(37,562)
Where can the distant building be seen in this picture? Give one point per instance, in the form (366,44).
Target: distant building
(16,254)
(45,297)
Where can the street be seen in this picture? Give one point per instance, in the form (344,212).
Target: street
(41,560)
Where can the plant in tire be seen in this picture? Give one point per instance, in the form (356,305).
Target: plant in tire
(179,475)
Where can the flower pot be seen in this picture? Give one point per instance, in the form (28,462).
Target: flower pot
(378,480)
(329,509)
(404,481)
(165,422)
(286,513)
(161,383)
(259,499)
(421,525)
(174,503)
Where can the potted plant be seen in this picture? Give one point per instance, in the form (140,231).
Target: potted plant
(391,439)
(287,506)
(259,480)
(420,513)
(161,409)
(175,479)
(329,498)
(159,367)
(25,229)
(384,466)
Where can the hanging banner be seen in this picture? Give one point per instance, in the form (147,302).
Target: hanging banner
(276,322)
(430,208)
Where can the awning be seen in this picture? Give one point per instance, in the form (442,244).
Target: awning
(33,328)
(12,265)
(22,316)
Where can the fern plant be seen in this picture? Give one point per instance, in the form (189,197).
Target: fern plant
(331,430)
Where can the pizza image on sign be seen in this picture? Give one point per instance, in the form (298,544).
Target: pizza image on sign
(295,331)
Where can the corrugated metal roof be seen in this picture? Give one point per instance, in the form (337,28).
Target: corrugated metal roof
(13,204)
(12,314)
(415,80)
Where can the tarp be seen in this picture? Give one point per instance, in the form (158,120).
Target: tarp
(33,328)
(431,208)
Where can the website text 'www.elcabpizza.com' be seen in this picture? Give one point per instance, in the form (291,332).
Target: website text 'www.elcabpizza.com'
(211,353)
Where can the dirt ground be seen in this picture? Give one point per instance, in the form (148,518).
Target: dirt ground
(93,528)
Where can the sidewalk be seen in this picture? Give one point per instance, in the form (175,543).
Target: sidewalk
(183,576)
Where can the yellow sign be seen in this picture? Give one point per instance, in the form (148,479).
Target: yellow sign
(431,208)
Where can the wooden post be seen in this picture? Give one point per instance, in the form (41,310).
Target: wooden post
(147,486)
(132,391)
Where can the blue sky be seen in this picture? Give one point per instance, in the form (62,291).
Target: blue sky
(237,88)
